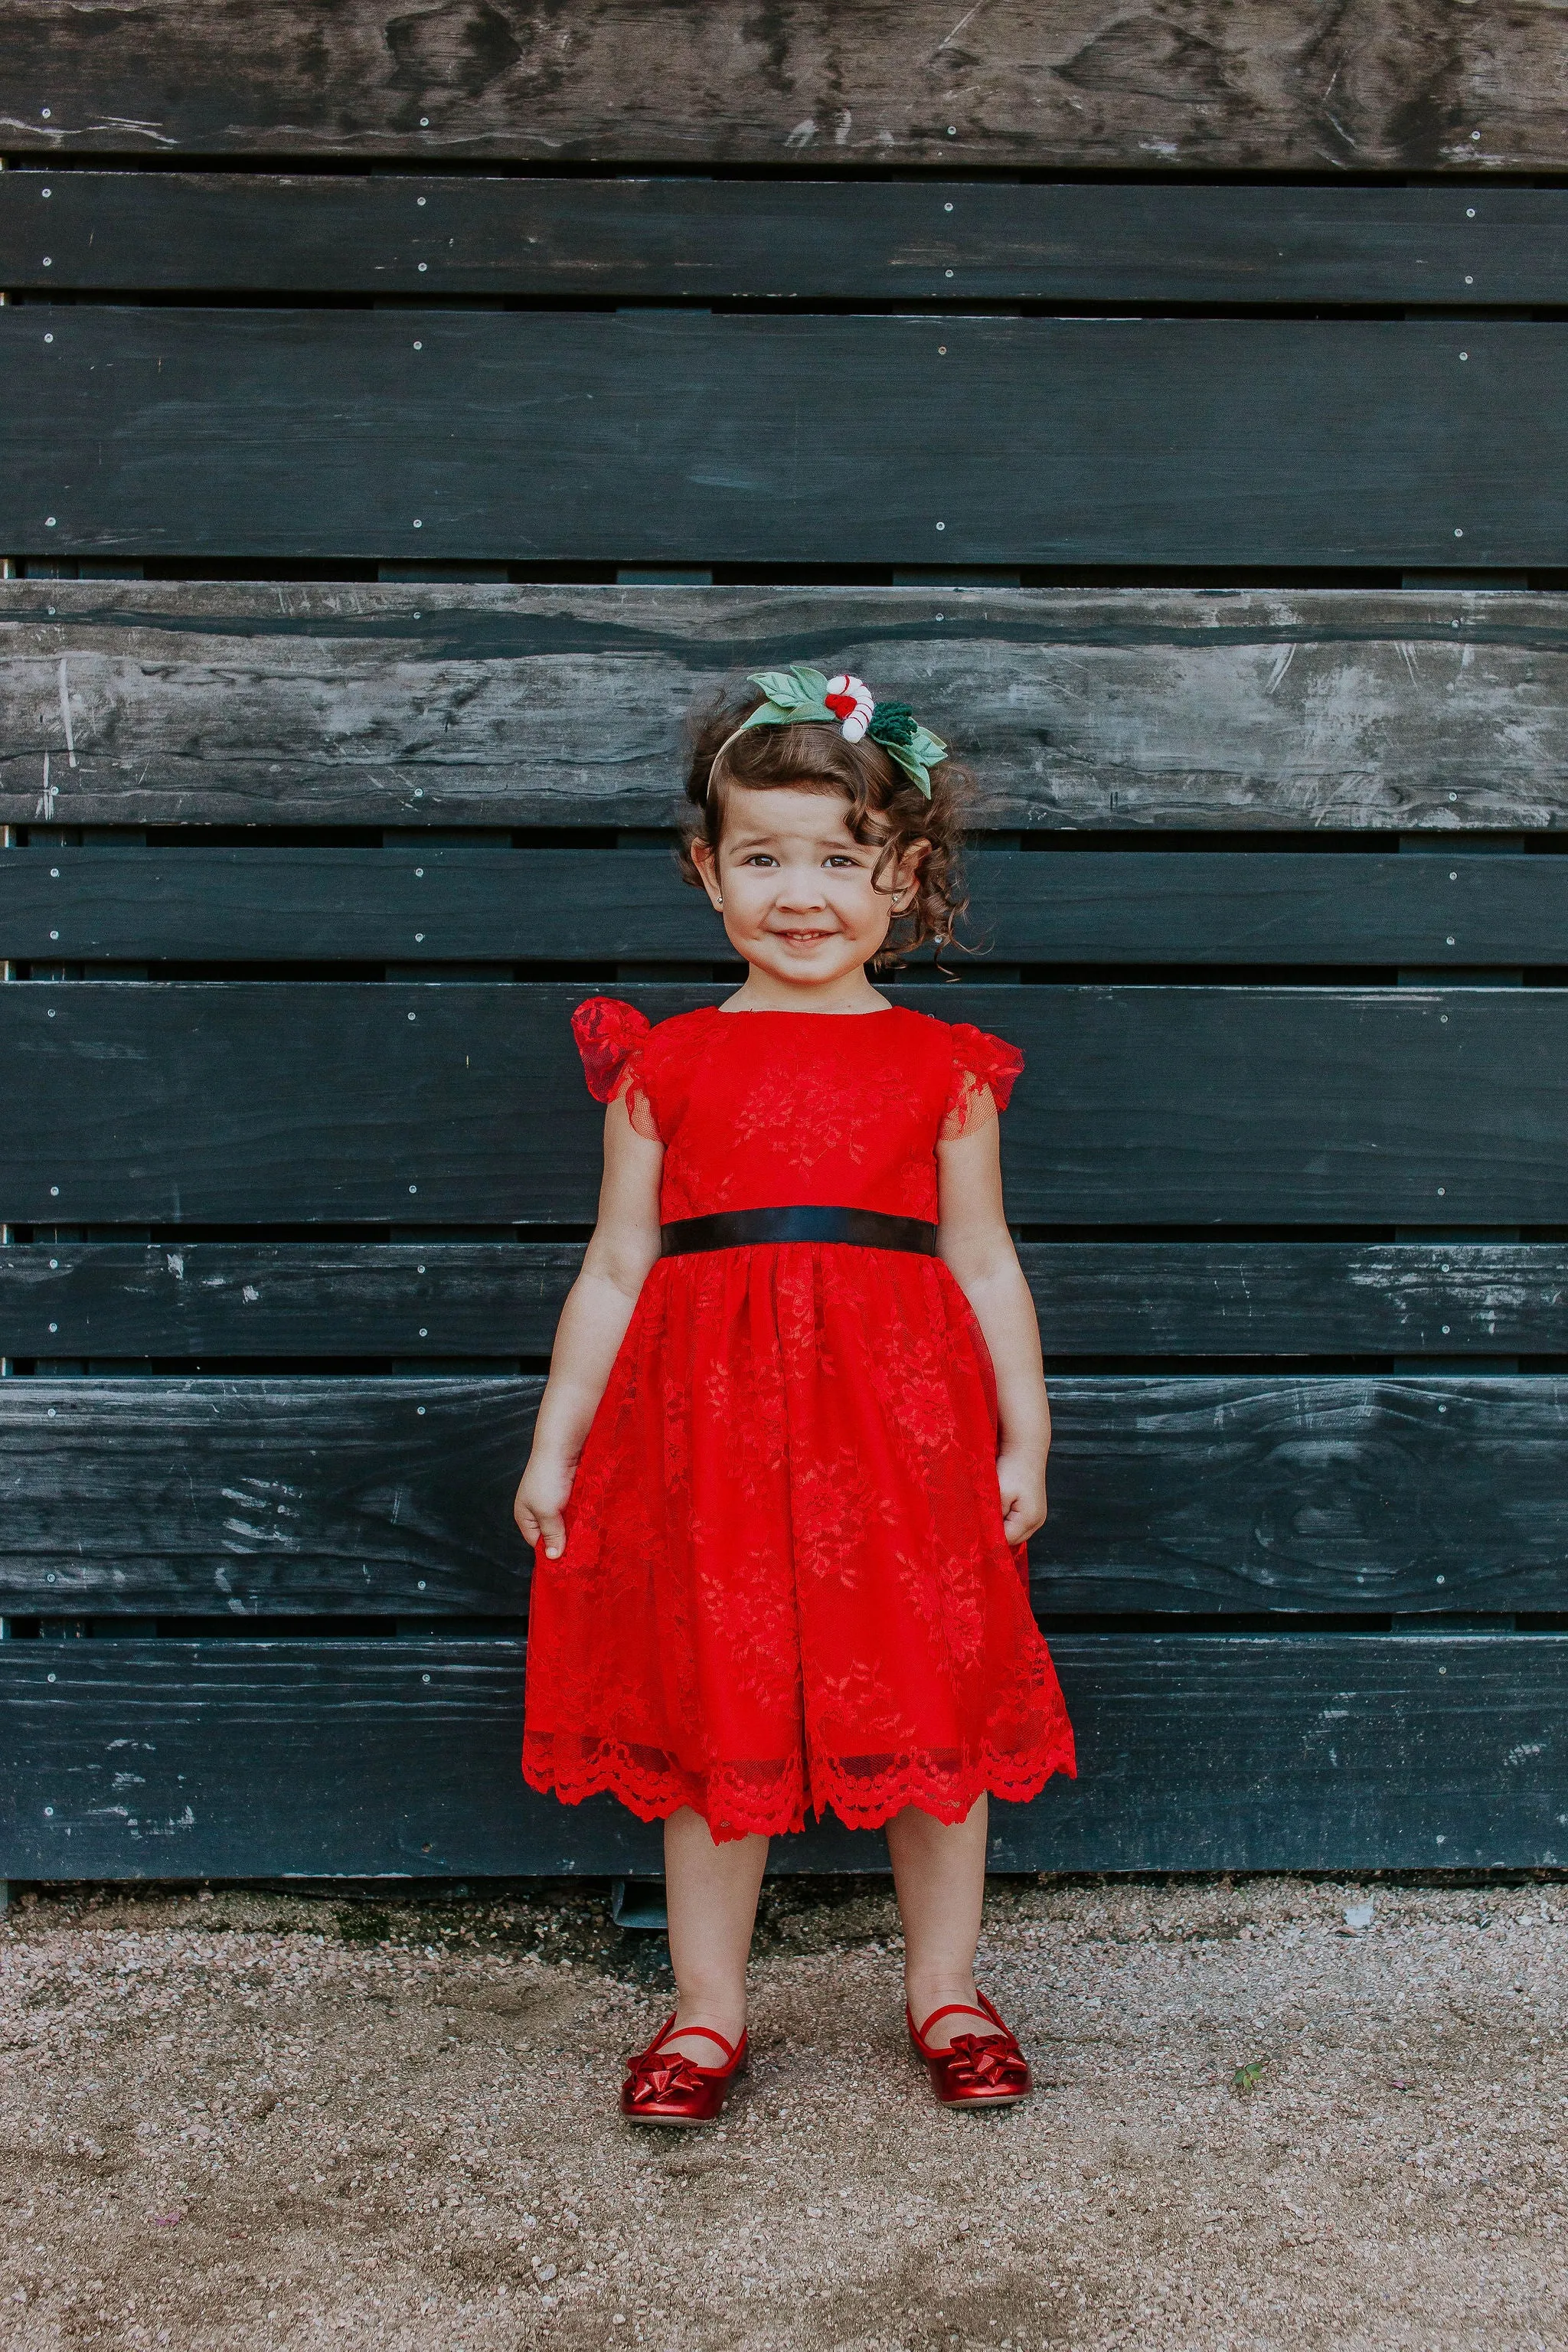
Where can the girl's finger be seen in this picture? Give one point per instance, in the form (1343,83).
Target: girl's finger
(527,1522)
(553,1527)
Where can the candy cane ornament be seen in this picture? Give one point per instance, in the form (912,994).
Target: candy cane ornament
(850,699)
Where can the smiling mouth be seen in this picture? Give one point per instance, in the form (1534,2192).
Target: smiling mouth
(807,937)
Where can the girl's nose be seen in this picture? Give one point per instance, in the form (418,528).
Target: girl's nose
(799,890)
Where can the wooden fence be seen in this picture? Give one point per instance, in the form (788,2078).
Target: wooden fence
(406,417)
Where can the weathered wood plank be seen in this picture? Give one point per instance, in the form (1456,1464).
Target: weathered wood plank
(660,436)
(1222,1494)
(438,904)
(195,1759)
(1377,84)
(233,1498)
(432,705)
(950,241)
(248,1301)
(457,1103)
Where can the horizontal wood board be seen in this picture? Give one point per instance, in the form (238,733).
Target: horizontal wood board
(661,435)
(1374,84)
(455,1102)
(1218,1494)
(241,1300)
(176,1760)
(414,705)
(441,902)
(948,241)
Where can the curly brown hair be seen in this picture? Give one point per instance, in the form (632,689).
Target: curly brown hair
(885,810)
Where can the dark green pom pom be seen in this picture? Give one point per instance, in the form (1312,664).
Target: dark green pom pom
(892,722)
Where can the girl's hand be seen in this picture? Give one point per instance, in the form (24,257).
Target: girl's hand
(1022,1481)
(542,1499)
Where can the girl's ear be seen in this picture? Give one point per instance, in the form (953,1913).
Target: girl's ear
(707,865)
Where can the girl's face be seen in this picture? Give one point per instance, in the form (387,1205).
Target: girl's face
(794,885)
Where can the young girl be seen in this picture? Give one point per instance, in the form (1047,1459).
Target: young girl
(793,1438)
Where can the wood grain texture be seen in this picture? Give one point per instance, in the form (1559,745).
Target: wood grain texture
(244,1301)
(1221,1493)
(459,1103)
(230,1497)
(1377,84)
(197,1759)
(414,706)
(441,903)
(945,241)
(648,436)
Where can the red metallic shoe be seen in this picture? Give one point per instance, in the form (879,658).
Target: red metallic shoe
(664,2086)
(975,2069)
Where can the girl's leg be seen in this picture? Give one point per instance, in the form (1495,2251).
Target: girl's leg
(938,1871)
(711,1891)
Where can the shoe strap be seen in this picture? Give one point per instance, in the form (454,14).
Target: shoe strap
(954,2009)
(669,2033)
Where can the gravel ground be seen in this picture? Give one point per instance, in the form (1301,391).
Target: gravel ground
(1273,2113)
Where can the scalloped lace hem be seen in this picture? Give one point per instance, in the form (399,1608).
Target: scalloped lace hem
(771,1799)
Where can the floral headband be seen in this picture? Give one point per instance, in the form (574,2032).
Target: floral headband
(799,697)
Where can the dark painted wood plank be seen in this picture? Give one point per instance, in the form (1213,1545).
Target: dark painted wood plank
(1223,1495)
(181,1759)
(298,703)
(663,436)
(457,1103)
(246,1301)
(408,904)
(1377,84)
(213,1498)
(947,241)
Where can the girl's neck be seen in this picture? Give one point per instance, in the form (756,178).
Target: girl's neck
(759,992)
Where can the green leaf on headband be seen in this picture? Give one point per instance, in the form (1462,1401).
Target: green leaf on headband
(793,690)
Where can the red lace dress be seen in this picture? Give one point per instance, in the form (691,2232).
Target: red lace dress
(785,1584)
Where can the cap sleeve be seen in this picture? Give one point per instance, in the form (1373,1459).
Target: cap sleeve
(979,1060)
(610,1037)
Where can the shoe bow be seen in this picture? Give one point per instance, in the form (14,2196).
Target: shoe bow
(986,2062)
(661,2078)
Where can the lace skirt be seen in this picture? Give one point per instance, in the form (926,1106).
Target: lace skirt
(786,1585)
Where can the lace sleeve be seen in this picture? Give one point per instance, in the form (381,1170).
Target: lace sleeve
(610,1037)
(979,1061)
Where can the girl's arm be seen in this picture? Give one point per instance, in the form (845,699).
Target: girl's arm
(593,1324)
(972,1237)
